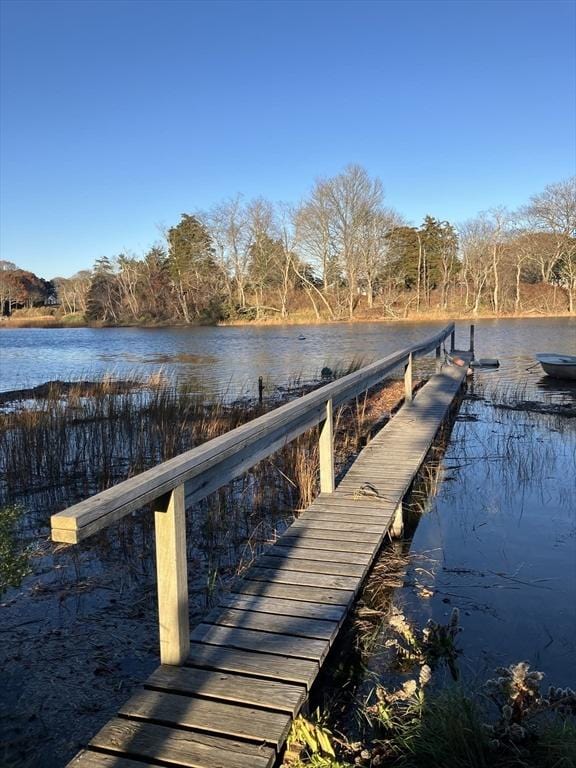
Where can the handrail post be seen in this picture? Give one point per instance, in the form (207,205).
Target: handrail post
(408,380)
(172,575)
(438,358)
(326,450)
(453,341)
(472,341)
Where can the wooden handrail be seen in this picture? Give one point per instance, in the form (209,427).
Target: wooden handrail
(218,461)
(213,464)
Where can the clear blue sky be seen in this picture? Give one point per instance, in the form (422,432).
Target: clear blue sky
(118,116)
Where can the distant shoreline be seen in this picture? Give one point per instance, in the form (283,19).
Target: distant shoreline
(52,322)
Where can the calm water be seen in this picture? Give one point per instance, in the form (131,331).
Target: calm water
(232,359)
(499,542)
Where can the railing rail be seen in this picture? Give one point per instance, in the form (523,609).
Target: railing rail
(193,475)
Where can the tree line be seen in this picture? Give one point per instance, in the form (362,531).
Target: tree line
(342,253)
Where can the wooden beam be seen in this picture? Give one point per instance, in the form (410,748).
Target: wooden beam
(326,449)
(408,380)
(172,576)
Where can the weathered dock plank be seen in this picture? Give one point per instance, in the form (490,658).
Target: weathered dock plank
(242,722)
(180,747)
(226,686)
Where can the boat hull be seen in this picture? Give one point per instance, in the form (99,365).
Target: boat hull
(558,366)
(559,371)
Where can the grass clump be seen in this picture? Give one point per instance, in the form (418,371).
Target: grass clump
(13,559)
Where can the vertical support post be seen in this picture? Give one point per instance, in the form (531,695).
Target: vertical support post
(408,380)
(260,389)
(453,341)
(472,341)
(326,447)
(438,359)
(172,575)
(397,527)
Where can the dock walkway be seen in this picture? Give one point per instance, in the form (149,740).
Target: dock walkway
(255,657)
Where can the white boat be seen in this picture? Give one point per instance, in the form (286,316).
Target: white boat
(558,366)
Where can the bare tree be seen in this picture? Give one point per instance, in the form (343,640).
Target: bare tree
(229,228)
(73,291)
(374,244)
(475,237)
(553,211)
(312,231)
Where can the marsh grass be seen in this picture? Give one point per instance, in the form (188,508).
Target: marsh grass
(14,559)
(67,441)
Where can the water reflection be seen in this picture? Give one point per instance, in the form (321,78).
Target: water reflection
(232,359)
(499,539)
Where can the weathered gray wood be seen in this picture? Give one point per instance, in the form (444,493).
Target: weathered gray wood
(172,579)
(408,380)
(344,517)
(309,579)
(181,747)
(352,542)
(238,689)
(375,509)
(310,524)
(264,665)
(367,505)
(326,451)
(290,563)
(284,607)
(88,759)
(312,553)
(266,642)
(279,624)
(219,717)
(298,533)
(291,591)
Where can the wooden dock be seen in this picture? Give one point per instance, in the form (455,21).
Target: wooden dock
(248,668)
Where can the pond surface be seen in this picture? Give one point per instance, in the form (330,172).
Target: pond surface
(498,539)
(230,359)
